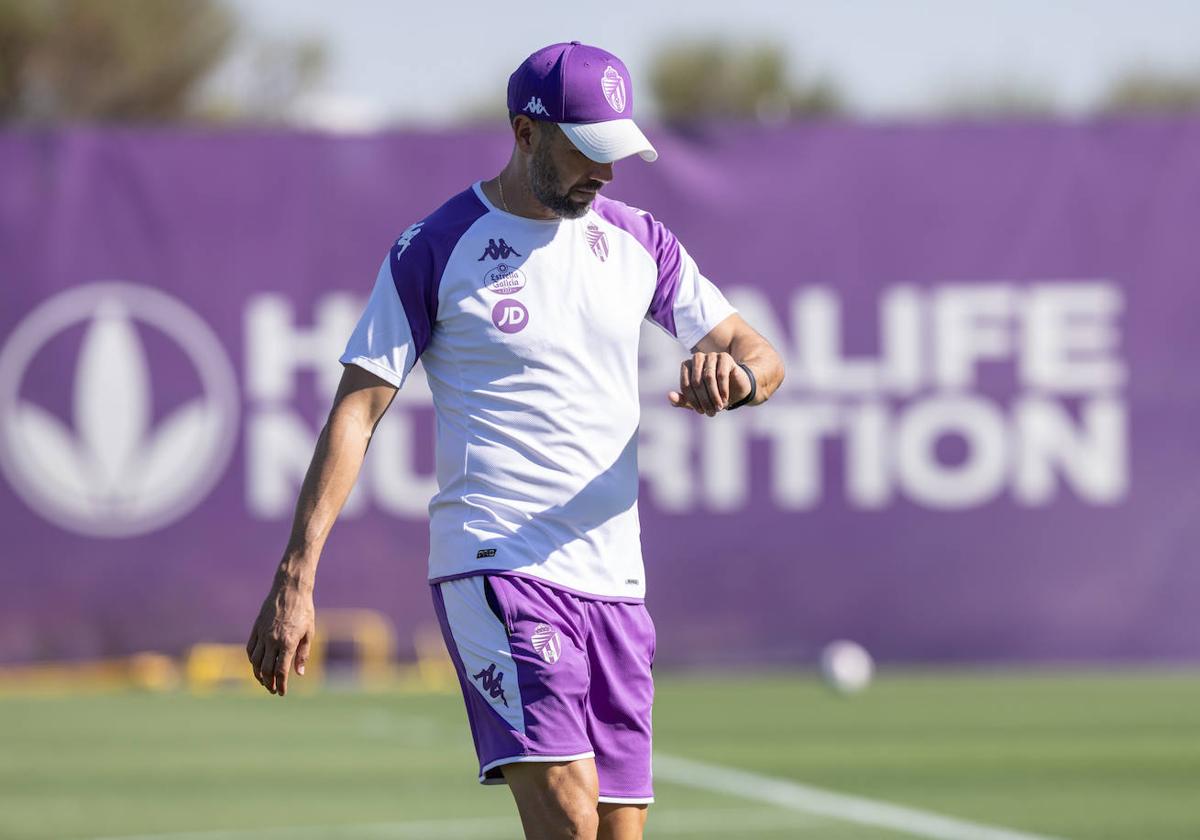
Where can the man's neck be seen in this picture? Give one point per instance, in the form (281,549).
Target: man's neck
(510,192)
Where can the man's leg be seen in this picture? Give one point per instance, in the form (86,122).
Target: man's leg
(621,822)
(557,800)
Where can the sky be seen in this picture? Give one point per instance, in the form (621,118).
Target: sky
(429,63)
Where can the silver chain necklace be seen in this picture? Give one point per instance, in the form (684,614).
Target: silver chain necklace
(500,186)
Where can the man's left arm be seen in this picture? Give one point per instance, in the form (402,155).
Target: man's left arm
(713,379)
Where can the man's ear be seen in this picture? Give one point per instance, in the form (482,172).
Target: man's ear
(523,132)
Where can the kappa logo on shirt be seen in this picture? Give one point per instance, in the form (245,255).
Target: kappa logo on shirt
(498,251)
(406,238)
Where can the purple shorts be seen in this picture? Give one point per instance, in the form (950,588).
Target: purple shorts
(550,675)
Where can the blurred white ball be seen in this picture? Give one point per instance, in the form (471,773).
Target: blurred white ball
(846,667)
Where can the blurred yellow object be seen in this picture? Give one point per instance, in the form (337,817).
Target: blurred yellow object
(370,633)
(147,671)
(208,666)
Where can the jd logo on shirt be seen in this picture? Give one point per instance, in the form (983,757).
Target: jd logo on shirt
(501,251)
(510,316)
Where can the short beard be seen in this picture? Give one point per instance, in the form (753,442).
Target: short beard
(544,182)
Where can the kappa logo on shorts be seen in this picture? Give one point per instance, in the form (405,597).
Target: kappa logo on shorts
(498,251)
(492,683)
(546,642)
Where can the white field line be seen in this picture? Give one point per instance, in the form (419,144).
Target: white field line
(810,800)
(501,828)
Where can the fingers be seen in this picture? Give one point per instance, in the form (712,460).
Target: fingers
(267,670)
(701,373)
(283,664)
(256,658)
(725,367)
(302,654)
(281,639)
(705,383)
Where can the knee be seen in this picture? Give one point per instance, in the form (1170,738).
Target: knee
(573,804)
(556,802)
(580,821)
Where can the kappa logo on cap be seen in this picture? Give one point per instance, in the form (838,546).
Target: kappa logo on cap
(614,89)
(535,106)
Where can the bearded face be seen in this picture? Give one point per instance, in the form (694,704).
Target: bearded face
(568,195)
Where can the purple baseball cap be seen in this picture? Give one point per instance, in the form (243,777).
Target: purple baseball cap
(587,91)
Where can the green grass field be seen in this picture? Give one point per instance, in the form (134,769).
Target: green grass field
(1078,756)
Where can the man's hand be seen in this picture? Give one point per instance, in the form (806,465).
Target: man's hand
(281,635)
(710,382)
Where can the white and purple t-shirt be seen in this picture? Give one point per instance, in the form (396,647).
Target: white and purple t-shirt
(528,332)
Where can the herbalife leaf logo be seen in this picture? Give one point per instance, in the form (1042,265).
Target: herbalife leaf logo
(111,470)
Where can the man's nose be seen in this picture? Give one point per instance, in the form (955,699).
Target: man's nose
(601,172)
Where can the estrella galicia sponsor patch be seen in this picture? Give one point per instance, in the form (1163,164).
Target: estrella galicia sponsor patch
(505,279)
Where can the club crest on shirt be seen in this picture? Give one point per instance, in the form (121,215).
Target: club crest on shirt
(546,643)
(597,241)
(505,279)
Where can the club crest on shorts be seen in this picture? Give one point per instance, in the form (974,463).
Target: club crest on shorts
(546,643)
(597,241)
(614,89)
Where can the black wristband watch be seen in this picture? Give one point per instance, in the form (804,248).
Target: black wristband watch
(753,388)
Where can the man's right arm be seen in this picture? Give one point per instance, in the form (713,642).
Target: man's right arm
(283,631)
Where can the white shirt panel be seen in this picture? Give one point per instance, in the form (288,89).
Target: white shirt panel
(531,359)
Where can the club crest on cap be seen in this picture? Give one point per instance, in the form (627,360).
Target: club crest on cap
(614,89)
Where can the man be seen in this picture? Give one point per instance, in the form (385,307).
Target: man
(524,296)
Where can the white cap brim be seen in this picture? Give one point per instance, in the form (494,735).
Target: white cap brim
(611,140)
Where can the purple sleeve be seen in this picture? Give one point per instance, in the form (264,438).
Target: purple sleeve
(685,303)
(661,244)
(417,271)
(398,322)
(416,277)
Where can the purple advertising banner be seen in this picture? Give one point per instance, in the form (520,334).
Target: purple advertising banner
(986,448)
